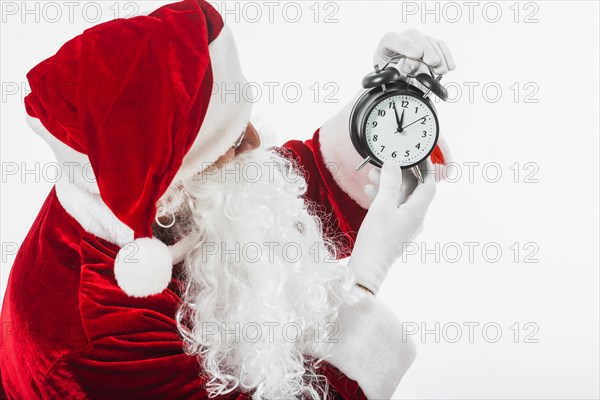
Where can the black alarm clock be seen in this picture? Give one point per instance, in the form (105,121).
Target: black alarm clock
(394,120)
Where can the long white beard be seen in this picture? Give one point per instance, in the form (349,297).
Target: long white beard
(263,288)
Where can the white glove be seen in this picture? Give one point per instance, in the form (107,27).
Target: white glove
(409,183)
(389,223)
(413,43)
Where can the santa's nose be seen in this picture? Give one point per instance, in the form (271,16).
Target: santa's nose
(250,141)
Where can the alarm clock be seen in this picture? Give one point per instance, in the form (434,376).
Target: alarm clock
(394,120)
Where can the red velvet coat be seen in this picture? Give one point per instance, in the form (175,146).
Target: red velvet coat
(69,332)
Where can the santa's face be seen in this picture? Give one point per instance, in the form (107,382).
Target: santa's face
(262,284)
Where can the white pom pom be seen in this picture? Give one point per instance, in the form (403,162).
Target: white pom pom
(143,267)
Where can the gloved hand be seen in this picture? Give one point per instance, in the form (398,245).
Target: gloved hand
(413,43)
(409,183)
(390,222)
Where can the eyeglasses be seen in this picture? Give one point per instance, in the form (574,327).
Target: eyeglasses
(238,143)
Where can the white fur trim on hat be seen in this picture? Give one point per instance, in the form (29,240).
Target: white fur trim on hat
(228,111)
(78,192)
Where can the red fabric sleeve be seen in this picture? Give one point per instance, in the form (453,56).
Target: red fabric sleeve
(134,350)
(340,214)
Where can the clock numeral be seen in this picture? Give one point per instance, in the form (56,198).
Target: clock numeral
(424,134)
(392,104)
(374,138)
(374,123)
(382,148)
(394,155)
(416,109)
(404,103)
(381,113)
(418,146)
(407,154)
(424,121)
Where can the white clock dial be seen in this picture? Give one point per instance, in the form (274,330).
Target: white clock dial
(401,129)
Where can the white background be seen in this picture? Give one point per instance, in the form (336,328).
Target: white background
(553,205)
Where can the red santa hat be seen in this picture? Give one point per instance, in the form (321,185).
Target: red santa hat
(139,99)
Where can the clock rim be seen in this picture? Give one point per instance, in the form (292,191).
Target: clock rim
(365,105)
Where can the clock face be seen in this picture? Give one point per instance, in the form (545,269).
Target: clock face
(401,129)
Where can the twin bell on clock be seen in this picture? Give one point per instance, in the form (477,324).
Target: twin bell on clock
(394,120)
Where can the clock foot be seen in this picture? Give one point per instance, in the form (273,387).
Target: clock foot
(417,172)
(363,163)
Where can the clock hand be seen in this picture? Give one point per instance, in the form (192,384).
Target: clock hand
(399,119)
(414,122)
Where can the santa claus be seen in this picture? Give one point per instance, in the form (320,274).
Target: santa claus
(177,257)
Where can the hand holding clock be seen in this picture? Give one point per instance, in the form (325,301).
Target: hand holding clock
(392,220)
(414,44)
(406,96)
